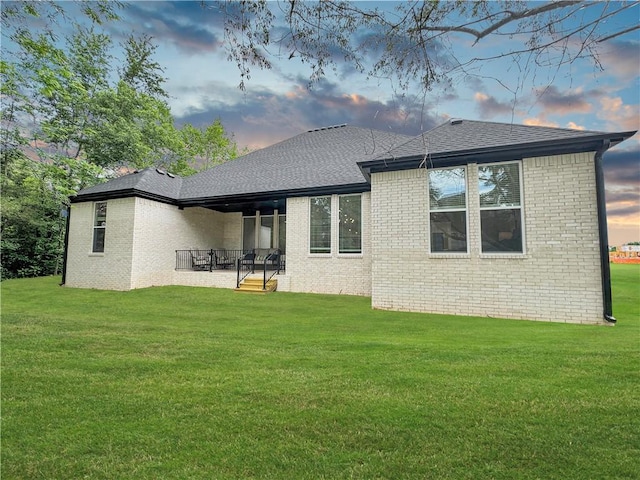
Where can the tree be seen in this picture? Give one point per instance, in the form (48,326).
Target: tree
(34,197)
(208,146)
(410,41)
(65,120)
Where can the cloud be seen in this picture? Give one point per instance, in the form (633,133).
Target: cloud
(622,168)
(571,101)
(575,126)
(191,28)
(489,107)
(264,116)
(622,184)
(619,115)
(621,59)
(540,121)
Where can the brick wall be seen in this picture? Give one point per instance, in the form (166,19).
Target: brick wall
(331,273)
(556,279)
(140,243)
(111,269)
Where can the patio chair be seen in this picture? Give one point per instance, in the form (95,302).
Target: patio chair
(200,261)
(222,261)
(248,260)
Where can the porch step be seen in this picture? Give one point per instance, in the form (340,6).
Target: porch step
(254,285)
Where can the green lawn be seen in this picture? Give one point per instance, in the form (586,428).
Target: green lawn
(194,383)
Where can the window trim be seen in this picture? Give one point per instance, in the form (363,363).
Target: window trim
(334,226)
(309,236)
(449,254)
(95,227)
(339,223)
(504,254)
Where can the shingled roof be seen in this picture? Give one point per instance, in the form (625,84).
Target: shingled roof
(150,182)
(457,140)
(317,159)
(338,159)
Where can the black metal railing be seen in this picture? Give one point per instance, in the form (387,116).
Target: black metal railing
(245,265)
(246,262)
(207,260)
(272,265)
(270,261)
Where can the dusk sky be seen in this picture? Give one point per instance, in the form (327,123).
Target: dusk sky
(278,104)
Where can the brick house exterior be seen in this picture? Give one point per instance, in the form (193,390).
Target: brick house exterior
(470,218)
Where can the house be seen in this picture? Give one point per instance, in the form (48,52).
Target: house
(470,218)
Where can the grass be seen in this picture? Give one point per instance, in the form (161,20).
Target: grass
(193,383)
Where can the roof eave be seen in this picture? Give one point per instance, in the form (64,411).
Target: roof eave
(494,154)
(124,193)
(211,202)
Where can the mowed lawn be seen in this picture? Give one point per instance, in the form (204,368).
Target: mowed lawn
(195,383)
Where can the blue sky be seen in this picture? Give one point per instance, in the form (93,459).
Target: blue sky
(278,104)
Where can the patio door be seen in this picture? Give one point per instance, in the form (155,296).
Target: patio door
(264,232)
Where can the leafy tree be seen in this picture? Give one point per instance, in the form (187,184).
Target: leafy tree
(140,71)
(209,146)
(410,41)
(32,226)
(72,115)
(67,124)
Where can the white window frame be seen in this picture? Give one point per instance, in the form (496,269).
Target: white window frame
(448,210)
(99,225)
(510,207)
(331,229)
(338,222)
(334,225)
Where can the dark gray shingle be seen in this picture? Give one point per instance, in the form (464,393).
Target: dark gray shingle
(329,157)
(318,158)
(469,135)
(150,180)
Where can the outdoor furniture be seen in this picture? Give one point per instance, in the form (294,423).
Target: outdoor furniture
(200,260)
(272,261)
(222,261)
(248,260)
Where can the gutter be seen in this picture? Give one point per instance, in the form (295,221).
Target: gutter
(495,154)
(605,267)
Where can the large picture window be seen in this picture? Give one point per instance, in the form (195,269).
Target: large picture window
(350,224)
(499,187)
(320,224)
(448,210)
(99,227)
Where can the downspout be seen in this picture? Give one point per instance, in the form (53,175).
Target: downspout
(66,247)
(604,236)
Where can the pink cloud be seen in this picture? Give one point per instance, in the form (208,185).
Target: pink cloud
(619,115)
(539,122)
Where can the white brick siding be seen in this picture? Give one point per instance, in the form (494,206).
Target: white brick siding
(331,273)
(111,269)
(140,243)
(556,279)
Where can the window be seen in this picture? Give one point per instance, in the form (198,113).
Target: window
(248,233)
(500,207)
(282,233)
(320,225)
(99,227)
(350,224)
(448,210)
(267,232)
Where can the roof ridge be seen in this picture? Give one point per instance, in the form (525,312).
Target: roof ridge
(459,120)
(340,125)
